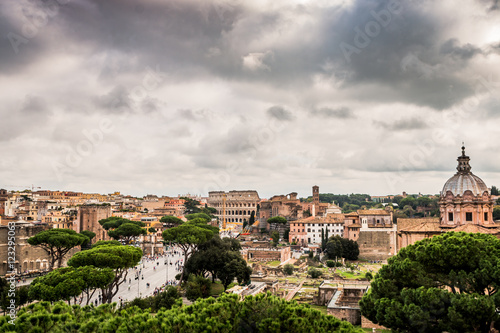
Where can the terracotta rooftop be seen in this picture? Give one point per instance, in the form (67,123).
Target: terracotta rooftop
(352,214)
(372,212)
(330,218)
(307,219)
(334,217)
(405,223)
(475,228)
(419,225)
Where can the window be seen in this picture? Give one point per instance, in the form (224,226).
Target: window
(450,217)
(309,240)
(485,216)
(468,216)
(308,229)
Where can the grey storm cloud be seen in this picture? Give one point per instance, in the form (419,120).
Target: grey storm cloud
(340,113)
(383,57)
(236,81)
(451,47)
(402,124)
(117,100)
(150,104)
(34,105)
(280,113)
(186,113)
(33,112)
(193,40)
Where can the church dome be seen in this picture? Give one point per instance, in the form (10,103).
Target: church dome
(464,179)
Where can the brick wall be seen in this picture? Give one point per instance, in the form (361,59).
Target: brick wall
(351,315)
(27,257)
(376,245)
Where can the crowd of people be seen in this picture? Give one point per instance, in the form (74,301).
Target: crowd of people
(140,271)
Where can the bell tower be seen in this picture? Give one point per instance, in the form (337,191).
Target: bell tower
(315,200)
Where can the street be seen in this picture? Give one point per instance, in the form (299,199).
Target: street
(132,287)
(156,277)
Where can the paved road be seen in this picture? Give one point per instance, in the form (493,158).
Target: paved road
(154,273)
(156,277)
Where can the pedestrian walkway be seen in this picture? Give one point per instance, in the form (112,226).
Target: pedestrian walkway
(292,293)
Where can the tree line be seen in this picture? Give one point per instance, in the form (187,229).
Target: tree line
(447,283)
(261,313)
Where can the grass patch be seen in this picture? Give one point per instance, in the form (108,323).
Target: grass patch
(351,276)
(273,263)
(217,289)
(290,280)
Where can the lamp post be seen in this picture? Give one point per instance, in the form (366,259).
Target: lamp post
(167,263)
(166,273)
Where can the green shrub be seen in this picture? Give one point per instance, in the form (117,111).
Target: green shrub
(197,287)
(314,273)
(288,269)
(165,299)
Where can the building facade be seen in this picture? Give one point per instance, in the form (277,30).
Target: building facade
(287,206)
(27,258)
(88,219)
(234,207)
(308,231)
(465,205)
(377,236)
(465,198)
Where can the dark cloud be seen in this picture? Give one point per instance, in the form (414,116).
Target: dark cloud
(492,5)
(280,113)
(340,113)
(451,47)
(222,63)
(150,105)
(384,58)
(190,40)
(21,42)
(32,114)
(34,105)
(402,124)
(116,101)
(186,114)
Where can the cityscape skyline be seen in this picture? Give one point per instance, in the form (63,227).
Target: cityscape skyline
(171,97)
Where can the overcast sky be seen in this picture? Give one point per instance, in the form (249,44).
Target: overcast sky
(189,96)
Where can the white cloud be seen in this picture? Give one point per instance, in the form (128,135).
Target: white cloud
(257,61)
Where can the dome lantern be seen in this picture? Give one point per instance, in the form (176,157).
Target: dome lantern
(464,179)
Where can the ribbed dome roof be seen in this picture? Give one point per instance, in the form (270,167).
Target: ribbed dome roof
(464,179)
(460,183)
